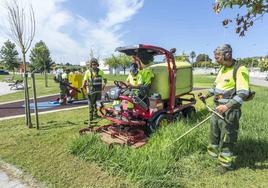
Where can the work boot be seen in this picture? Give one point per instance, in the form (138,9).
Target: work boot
(213,150)
(61,101)
(69,100)
(226,159)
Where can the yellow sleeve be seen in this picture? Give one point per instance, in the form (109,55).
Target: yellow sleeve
(242,80)
(101,73)
(128,79)
(87,75)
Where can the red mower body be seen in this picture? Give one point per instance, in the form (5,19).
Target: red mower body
(132,126)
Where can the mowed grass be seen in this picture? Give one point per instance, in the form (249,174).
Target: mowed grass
(41,90)
(58,157)
(185,163)
(44,155)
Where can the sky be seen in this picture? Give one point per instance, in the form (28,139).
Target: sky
(72,28)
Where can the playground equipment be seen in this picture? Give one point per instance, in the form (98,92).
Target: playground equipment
(170,98)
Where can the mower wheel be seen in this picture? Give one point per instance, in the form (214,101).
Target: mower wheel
(161,121)
(177,116)
(189,112)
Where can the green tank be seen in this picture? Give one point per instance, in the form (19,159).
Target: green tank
(160,83)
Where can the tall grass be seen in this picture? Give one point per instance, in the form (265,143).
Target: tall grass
(156,165)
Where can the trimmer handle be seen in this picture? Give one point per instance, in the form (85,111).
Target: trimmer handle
(202,97)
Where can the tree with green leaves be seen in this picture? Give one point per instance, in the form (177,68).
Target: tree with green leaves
(203,60)
(264,65)
(182,57)
(124,61)
(40,59)
(255,10)
(192,56)
(9,56)
(112,62)
(203,57)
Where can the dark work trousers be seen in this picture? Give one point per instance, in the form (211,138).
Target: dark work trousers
(92,99)
(64,91)
(224,133)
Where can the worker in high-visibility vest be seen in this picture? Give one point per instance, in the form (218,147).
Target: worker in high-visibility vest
(230,91)
(62,78)
(93,82)
(141,81)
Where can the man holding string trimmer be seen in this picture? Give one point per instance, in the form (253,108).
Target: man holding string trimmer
(231,89)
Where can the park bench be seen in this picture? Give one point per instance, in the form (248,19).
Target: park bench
(18,84)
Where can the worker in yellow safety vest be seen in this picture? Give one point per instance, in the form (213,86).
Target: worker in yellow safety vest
(63,78)
(231,89)
(93,82)
(139,82)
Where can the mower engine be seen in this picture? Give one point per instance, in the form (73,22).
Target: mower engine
(113,93)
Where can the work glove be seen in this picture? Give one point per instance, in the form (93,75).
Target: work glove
(202,97)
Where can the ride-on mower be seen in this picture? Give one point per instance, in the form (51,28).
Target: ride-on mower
(169,99)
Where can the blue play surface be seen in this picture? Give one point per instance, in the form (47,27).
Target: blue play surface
(44,105)
(53,104)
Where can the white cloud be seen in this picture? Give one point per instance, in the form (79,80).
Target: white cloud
(70,36)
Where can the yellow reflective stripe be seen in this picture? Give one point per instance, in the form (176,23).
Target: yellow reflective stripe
(242,80)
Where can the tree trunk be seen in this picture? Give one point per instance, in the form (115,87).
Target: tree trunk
(35,102)
(28,121)
(46,85)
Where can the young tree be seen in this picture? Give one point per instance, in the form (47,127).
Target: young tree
(112,62)
(22,31)
(192,55)
(202,57)
(264,65)
(255,10)
(9,56)
(124,61)
(40,59)
(182,57)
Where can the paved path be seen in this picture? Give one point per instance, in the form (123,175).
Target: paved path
(12,177)
(8,182)
(258,82)
(5,89)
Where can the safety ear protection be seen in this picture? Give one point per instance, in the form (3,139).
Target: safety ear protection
(227,56)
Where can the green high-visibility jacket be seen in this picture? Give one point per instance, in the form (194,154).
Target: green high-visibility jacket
(146,76)
(134,80)
(232,92)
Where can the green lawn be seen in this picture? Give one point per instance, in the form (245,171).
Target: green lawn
(44,153)
(58,157)
(186,163)
(41,90)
